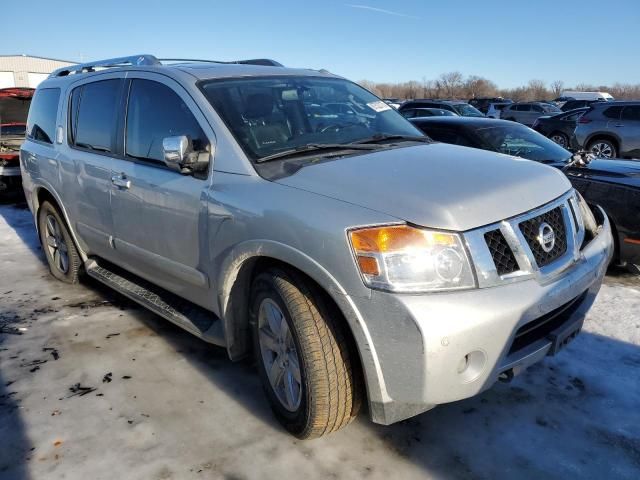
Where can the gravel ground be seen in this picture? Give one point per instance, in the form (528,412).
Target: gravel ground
(92,386)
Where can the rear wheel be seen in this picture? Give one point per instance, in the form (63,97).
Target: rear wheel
(303,357)
(603,148)
(59,249)
(560,138)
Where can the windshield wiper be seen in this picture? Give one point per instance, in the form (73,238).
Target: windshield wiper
(314,147)
(381,137)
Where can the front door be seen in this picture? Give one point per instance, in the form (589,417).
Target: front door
(159,214)
(628,129)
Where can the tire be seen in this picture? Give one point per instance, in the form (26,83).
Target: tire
(560,138)
(328,391)
(61,253)
(603,148)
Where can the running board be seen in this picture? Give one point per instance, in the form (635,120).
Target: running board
(196,320)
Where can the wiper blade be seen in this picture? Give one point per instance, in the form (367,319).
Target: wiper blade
(381,137)
(313,147)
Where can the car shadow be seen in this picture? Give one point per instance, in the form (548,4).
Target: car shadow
(12,211)
(16,446)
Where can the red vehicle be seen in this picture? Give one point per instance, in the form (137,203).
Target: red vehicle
(14,108)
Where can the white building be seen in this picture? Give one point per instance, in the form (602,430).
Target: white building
(26,71)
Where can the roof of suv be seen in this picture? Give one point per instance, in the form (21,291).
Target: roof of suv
(623,103)
(200,69)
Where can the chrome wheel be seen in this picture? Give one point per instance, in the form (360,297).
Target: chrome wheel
(559,139)
(279,355)
(603,150)
(56,245)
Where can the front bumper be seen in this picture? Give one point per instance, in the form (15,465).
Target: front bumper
(439,348)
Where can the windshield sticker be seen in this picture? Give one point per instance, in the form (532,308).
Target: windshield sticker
(378,106)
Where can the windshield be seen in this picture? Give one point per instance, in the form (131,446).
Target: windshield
(270,115)
(521,141)
(466,110)
(548,108)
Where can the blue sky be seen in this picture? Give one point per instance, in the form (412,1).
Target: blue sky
(509,42)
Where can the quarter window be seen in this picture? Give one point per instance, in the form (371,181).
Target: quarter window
(94,114)
(41,124)
(155,112)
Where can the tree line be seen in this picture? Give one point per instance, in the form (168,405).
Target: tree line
(455,85)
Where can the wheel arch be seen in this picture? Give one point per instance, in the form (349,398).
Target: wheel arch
(234,287)
(42,193)
(604,136)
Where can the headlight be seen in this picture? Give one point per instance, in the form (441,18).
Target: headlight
(401,258)
(589,220)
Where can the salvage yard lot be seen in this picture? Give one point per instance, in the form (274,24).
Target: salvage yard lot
(92,386)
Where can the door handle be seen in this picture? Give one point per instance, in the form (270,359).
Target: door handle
(121,181)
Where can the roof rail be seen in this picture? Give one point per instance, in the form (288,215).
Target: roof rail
(111,62)
(265,62)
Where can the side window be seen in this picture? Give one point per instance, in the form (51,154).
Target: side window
(631,112)
(613,112)
(537,108)
(155,112)
(408,113)
(525,108)
(94,114)
(41,123)
(446,135)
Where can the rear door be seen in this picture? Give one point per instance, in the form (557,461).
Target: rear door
(159,214)
(629,131)
(87,161)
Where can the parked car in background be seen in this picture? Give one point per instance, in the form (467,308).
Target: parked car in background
(483,103)
(456,106)
(559,127)
(612,184)
(14,107)
(494,110)
(227,213)
(610,130)
(577,95)
(393,102)
(427,112)
(573,104)
(527,112)
(560,101)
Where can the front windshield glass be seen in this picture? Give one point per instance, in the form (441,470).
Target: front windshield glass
(269,115)
(521,141)
(466,110)
(551,108)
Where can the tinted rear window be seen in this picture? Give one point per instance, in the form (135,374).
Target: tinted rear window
(613,112)
(93,121)
(41,124)
(18,130)
(631,112)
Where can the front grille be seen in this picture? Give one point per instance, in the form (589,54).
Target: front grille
(530,229)
(542,326)
(501,252)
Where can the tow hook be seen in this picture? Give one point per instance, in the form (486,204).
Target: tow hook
(506,376)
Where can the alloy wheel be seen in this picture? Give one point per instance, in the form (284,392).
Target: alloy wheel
(602,150)
(279,355)
(56,245)
(559,139)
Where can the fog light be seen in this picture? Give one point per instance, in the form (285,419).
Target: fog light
(471,365)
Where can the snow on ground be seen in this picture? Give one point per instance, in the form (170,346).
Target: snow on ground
(98,388)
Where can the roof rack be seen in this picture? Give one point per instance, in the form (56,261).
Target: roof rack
(265,62)
(149,60)
(111,62)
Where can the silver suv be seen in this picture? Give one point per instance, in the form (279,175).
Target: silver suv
(528,112)
(358,260)
(610,130)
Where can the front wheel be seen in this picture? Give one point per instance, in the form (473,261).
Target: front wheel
(303,356)
(62,255)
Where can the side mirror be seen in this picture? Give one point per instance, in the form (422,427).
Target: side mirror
(180,156)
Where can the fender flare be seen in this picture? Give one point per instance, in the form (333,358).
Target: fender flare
(251,250)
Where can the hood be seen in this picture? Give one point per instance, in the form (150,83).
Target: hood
(626,172)
(436,185)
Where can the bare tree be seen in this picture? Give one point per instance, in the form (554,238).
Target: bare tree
(557,86)
(475,86)
(450,83)
(538,90)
